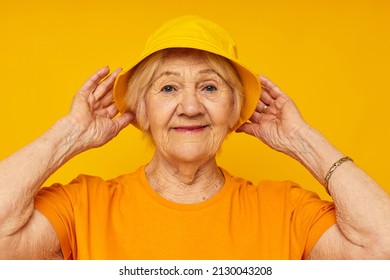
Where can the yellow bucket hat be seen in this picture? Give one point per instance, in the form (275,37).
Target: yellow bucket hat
(196,33)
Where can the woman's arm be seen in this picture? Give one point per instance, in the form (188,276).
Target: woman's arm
(362,206)
(90,123)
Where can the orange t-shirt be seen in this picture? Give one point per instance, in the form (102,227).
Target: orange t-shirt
(124,218)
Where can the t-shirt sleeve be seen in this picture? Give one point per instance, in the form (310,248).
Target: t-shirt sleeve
(310,218)
(298,216)
(57,204)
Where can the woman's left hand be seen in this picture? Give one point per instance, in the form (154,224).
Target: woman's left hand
(276,119)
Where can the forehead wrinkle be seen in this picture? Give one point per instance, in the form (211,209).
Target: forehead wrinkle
(208,71)
(166,73)
(202,72)
(212,71)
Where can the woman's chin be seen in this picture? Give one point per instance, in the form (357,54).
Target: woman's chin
(192,154)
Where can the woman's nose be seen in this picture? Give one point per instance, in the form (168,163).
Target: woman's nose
(190,103)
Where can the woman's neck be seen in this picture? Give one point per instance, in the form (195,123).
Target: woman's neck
(185,183)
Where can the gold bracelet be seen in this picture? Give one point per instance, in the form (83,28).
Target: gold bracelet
(332,169)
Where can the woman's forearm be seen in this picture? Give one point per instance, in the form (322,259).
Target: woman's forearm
(362,206)
(23,173)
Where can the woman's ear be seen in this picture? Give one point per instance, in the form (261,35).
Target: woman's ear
(142,117)
(234,116)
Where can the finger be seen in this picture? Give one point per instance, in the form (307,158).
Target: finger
(93,81)
(247,128)
(123,120)
(255,118)
(261,107)
(105,101)
(242,128)
(270,87)
(106,85)
(108,112)
(266,98)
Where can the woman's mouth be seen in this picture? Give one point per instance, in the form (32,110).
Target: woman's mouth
(190,128)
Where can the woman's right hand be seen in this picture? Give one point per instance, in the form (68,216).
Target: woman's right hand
(91,122)
(93,114)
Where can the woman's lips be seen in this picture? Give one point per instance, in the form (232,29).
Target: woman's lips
(190,128)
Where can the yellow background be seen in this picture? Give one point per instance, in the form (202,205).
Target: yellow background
(332,57)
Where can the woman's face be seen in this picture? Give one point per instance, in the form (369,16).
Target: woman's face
(189,108)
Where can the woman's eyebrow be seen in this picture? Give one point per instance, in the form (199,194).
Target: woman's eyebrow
(167,73)
(207,71)
(210,72)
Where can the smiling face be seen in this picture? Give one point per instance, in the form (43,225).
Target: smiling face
(189,108)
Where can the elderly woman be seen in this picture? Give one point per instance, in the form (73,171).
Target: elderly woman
(187,92)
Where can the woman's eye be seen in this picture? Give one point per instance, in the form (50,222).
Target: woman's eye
(167,89)
(210,88)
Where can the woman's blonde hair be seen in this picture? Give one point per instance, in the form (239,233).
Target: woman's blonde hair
(142,77)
